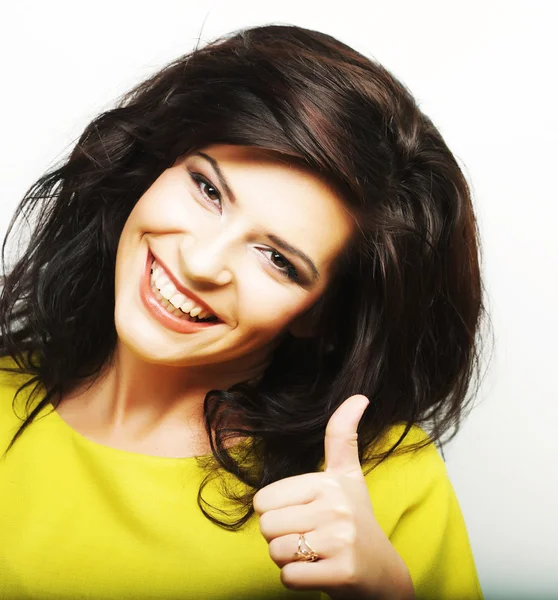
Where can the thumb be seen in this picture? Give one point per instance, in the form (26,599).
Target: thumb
(341,447)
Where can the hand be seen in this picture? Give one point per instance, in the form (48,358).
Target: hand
(334,512)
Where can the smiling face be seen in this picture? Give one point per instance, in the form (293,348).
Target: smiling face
(237,232)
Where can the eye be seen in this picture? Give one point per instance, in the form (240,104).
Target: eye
(280,263)
(209,190)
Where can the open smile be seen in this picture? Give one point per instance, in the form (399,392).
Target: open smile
(169,315)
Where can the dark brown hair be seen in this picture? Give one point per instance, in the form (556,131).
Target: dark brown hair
(410,287)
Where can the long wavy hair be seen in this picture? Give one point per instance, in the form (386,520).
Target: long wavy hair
(400,322)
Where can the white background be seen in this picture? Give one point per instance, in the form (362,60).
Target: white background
(485,72)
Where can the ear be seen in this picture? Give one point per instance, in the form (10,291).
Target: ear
(305,325)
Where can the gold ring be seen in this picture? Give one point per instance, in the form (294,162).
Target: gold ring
(304,554)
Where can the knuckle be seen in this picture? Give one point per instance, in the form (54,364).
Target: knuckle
(347,535)
(330,485)
(336,512)
(342,511)
(348,573)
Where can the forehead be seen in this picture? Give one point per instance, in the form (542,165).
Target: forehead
(285,198)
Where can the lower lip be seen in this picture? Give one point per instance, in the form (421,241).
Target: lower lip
(161,314)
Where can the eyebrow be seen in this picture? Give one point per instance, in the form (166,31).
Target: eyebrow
(274,238)
(288,248)
(220,175)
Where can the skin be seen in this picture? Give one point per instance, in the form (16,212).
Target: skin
(333,509)
(150,398)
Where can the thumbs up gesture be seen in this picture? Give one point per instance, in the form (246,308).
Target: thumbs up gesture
(344,552)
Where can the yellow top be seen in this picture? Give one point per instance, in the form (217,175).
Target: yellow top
(82,520)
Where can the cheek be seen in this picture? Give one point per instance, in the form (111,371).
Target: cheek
(267,305)
(168,202)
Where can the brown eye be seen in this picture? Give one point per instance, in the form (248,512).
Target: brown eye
(282,264)
(209,191)
(279,260)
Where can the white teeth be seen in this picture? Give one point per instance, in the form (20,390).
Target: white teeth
(168,290)
(187,306)
(177,300)
(179,304)
(161,280)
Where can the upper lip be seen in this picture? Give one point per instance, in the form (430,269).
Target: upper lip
(182,289)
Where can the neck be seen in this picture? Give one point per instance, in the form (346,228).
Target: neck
(141,397)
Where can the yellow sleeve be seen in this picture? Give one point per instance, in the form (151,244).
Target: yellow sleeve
(416,506)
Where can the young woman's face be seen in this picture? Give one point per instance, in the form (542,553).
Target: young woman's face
(233,231)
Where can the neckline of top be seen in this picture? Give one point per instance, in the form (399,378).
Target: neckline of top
(116,452)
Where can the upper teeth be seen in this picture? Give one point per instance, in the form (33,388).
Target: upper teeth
(168,290)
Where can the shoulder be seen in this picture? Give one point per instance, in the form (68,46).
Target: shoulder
(415,504)
(413,468)
(11,376)
(11,413)
(413,479)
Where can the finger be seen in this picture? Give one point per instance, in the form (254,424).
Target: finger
(327,542)
(341,447)
(293,519)
(291,491)
(332,569)
(320,575)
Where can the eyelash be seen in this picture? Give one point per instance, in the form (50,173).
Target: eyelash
(291,272)
(201,179)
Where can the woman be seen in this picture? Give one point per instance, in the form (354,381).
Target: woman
(255,238)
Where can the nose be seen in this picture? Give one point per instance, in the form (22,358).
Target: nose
(206,260)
